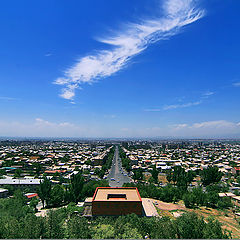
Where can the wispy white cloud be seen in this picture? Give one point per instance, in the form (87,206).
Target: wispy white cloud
(179,126)
(185,105)
(236,84)
(8,98)
(207,128)
(208,124)
(125,44)
(214,124)
(153,110)
(207,94)
(39,122)
(202,97)
(111,116)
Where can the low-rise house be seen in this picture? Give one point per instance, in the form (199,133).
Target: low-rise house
(236,171)
(20,183)
(30,196)
(227,194)
(236,200)
(3,193)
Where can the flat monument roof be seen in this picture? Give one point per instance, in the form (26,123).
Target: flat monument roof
(116,194)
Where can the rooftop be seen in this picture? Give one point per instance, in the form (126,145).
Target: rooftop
(10,181)
(116,194)
(3,190)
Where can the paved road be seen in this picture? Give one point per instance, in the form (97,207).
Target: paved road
(117,172)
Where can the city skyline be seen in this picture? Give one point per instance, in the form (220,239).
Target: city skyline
(136,69)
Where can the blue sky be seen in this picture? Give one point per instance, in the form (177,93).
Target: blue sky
(103,68)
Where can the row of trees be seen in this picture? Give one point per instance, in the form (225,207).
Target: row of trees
(17,220)
(77,190)
(107,164)
(192,198)
(126,162)
(210,178)
(177,189)
(138,175)
(180,178)
(197,197)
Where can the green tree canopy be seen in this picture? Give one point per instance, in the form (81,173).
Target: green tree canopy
(138,174)
(179,177)
(155,174)
(78,228)
(210,175)
(103,231)
(57,195)
(44,191)
(75,188)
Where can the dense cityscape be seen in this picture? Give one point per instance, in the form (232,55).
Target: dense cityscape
(119,119)
(53,184)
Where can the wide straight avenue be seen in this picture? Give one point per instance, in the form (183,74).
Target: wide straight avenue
(117,175)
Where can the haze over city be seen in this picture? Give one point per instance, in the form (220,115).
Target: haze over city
(139,68)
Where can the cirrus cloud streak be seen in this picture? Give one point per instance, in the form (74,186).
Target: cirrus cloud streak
(126,44)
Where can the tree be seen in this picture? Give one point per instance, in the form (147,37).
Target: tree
(90,187)
(44,191)
(10,228)
(212,198)
(162,228)
(128,227)
(213,230)
(189,225)
(170,193)
(78,228)
(99,172)
(76,185)
(38,168)
(88,162)
(138,174)
(126,162)
(189,200)
(2,172)
(211,175)
(32,227)
(57,195)
(103,231)
(180,177)
(224,202)
(218,187)
(129,232)
(200,196)
(151,180)
(33,204)
(18,173)
(54,225)
(155,174)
